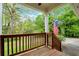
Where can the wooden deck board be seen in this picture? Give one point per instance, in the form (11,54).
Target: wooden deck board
(43,51)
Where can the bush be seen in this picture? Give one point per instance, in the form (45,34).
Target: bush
(61,37)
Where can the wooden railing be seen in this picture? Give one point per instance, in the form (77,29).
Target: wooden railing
(15,44)
(56,43)
(49,39)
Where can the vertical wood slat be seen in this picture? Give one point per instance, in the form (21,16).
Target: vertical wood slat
(39,40)
(35,40)
(12,45)
(1,46)
(52,41)
(45,39)
(30,42)
(26,42)
(60,47)
(42,39)
(23,43)
(16,44)
(8,46)
(19,43)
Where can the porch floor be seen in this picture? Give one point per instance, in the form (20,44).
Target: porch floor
(42,51)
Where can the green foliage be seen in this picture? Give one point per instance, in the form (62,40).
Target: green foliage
(39,23)
(50,22)
(69,26)
(70,23)
(9,13)
(61,37)
(20,26)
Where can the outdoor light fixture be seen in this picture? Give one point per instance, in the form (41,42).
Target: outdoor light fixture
(39,4)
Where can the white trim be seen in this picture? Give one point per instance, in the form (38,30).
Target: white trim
(0,18)
(46,23)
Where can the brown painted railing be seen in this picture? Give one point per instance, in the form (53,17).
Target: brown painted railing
(49,39)
(15,44)
(56,43)
(53,41)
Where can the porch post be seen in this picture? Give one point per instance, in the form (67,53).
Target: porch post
(0,18)
(46,29)
(46,23)
(0,25)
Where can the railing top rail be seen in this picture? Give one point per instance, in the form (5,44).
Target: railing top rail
(18,35)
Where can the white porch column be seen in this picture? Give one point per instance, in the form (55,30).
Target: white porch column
(0,18)
(46,23)
(0,27)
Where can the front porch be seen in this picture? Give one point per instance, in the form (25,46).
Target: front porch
(35,44)
(14,44)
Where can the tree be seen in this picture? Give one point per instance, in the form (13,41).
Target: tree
(50,22)
(10,17)
(39,22)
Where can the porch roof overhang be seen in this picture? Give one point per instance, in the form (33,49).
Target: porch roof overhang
(43,7)
(48,7)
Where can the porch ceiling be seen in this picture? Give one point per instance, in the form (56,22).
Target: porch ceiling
(45,7)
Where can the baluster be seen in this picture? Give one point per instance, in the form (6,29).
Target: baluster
(19,43)
(1,46)
(12,45)
(16,44)
(8,46)
(30,42)
(37,40)
(23,43)
(26,42)
(41,39)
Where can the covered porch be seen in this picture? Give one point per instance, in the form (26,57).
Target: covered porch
(35,44)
